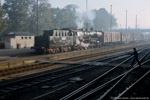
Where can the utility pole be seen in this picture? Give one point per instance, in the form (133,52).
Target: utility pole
(110,17)
(136,24)
(126,19)
(111,21)
(87,14)
(37,15)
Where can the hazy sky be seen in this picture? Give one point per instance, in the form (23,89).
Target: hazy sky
(119,7)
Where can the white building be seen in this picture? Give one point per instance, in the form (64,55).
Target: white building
(17,40)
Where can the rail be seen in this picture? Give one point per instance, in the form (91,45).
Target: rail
(93,81)
(119,78)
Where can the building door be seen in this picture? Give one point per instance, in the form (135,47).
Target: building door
(18,46)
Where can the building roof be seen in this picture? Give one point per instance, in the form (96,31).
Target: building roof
(19,33)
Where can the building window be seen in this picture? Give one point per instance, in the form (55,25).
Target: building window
(21,37)
(25,37)
(62,33)
(65,33)
(29,37)
(56,33)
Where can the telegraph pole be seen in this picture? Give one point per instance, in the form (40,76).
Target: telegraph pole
(136,24)
(37,15)
(110,21)
(126,19)
(87,14)
(110,17)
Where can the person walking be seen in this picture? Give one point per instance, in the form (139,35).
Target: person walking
(135,57)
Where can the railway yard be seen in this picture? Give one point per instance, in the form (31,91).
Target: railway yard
(74,50)
(95,74)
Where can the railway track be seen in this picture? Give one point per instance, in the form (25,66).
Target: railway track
(42,55)
(24,68)
(121,84)
(12,87)
(132,86)
(24,83)
(39,79)
(96,50)
(82,58)
(139,89)
(105,87)
(101,54)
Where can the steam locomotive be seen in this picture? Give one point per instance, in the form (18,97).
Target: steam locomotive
(64,40)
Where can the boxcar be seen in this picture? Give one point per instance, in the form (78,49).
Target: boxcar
(138,36)
(112,37)
(127,37)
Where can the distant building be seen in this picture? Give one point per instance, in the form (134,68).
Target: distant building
(17,40)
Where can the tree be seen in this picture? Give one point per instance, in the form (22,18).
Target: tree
(3,22)
(17,14)
(44,16)
(22,15)
(64,18)
(102,20)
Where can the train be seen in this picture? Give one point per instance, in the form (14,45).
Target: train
(64,40)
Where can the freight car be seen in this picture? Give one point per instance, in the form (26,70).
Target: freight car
(111,37)
(65,40)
